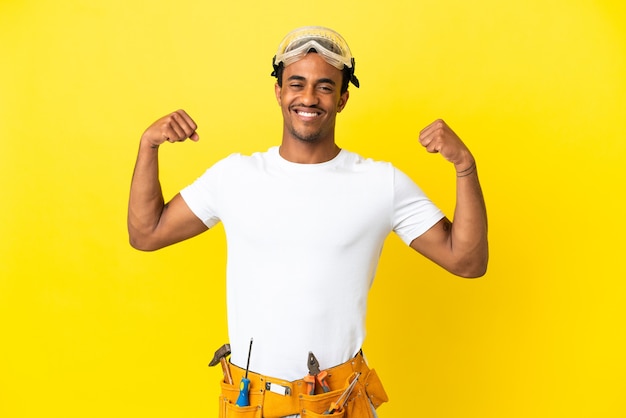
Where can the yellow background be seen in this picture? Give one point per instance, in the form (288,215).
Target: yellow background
(91,328)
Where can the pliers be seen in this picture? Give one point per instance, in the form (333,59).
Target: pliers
(315,375)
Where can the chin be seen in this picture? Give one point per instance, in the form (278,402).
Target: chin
(309,138)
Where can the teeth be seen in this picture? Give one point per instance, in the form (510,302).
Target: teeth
(307,114)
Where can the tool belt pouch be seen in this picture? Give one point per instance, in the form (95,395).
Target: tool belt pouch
(368,394)
(229,409)
(316,405)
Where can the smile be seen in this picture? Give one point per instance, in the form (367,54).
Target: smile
(307,114)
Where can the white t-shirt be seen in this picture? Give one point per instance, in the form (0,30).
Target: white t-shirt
(303,243)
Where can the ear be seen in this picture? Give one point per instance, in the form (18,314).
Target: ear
(277,90)
(343,99)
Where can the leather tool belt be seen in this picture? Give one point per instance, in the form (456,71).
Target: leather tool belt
(273,398)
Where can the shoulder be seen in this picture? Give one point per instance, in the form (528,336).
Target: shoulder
(361,163)
(240,161)
(383,172)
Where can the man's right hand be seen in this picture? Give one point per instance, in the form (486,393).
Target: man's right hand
(175,127)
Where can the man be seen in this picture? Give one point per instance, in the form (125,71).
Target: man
(305,224)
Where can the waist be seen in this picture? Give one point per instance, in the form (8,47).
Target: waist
(336,375)
(278,397)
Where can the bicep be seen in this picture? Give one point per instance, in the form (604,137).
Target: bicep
(435,243)
(177,223)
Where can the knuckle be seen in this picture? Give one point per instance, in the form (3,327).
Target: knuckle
(165,126)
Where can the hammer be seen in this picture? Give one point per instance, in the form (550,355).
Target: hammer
(220,357)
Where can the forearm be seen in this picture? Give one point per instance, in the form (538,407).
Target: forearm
(459,246)
(152,224)
(146,203)
(468,238)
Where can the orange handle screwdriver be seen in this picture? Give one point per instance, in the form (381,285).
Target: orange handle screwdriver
(339,403)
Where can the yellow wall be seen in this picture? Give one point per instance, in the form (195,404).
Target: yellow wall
(91,328)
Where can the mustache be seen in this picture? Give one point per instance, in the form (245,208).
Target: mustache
(302,105)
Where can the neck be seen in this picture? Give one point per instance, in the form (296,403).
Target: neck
(301,152)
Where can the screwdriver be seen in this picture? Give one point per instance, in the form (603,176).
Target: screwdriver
(244,399)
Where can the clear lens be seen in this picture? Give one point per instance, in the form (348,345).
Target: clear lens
(326,42)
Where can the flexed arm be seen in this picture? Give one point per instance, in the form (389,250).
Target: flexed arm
(153,224)
(460,246)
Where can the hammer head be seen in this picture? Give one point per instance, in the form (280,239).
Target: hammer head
(222,352)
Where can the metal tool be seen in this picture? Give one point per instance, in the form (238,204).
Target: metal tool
(244,386)
(220,357)
(340,403)
(315,375)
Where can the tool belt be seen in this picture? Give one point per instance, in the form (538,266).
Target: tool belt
(273,398)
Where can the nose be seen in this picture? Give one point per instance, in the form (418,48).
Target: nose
(309,96)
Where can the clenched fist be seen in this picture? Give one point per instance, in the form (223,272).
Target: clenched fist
(175,127)
(439,138)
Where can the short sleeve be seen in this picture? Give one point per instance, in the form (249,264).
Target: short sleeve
(414,213)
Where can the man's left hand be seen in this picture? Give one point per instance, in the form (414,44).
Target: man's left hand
(438,137)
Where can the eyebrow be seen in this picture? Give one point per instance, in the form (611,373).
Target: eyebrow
(321,80)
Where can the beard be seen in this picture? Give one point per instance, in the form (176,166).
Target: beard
(310,137)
